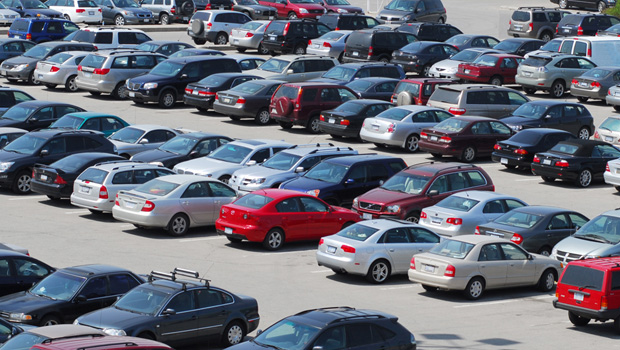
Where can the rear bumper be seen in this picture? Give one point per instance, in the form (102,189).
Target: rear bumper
(509,159)
(206,103)
(278,46)
(612,100)
(445,150)
(52,190)
(451,283)
(51,78)
(95,85)
(98,204)
(554,172)
(588,313)
(147,219)
(579,92)
(232,110)
(340,263)
(340,130)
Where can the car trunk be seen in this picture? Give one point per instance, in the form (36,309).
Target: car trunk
(581,286)
(46,174)
(378,125)
(359,45)
(130,201)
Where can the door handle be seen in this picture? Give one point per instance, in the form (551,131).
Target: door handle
(482,266)
(391,250)
(194,317)
(185,203)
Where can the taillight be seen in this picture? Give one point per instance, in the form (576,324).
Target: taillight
(517,238)
(557,27)
(249,35)
(208,7)
(240,100)
(60,181)
(80,10)
(423,215)
(206,93)
(391,128)
(188,91)
(457,111)
(101,71)
(79,68)
(309,42)
(347,248)
(321,118)
(209,25)
(28,36)
(497,147)
(345,122)
(321,241)
(116,200)
(604,303)
(446,139)
(54,69)
(607,168)
(596,135)
(370,51)
(477,230)
(595,84)
(579,30)
(531,27)
(326,44)
(561,164)
(521,151)
(288,24)
(337,28)
(173,10)
(536,159)
(412,263)
(589,52)
(99,9)
(148,206)
(450,271)
(574,82)
(455,221)
(423,135)
(103,193)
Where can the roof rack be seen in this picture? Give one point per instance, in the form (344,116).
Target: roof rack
(94,335)
(115,161)
(312,145)
(108,344)
(459,166)
(361,317)
(172,276)
(346,308)
(531,8)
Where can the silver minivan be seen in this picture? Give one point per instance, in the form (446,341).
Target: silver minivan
(294,68)
(215,25)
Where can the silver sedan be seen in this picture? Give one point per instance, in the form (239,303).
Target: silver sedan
(473,263)
(329,44)
(460,213)
(60,69)
(401,126)
(376,249)
(249,36)
(139,138)
(173,202)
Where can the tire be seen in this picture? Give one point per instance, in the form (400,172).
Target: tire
(70,84)
(285,125)
(167,99)
(496,80)
(426,70)
(313,125)
(233,334)
(96,212)
(378,272)
(299,50)
(411,144)
(340,57)
(33,80)
(339,272)
(584,133)
(474,289)
(414,217)
(187,8)
(232,117)
(67,18)
(50,86)
(178,225)
(441,20)
(120,91)
(221,39)
(508,166)
(21,184)
(234,240)
(557,89)
(202,109)
(529,91)
(119,20)
(262,50)
(95,93)
(164,19)
(241,49)
(563,4)
(582,99)
(334,136)
(584,179)
(546,281)
(50,320)
(546,36)
(578,320)
(617,108)
(52,198)
(199,41)
(617,188)
(384,60)
(601,6)
(469,154)
(291,15)
(430,288)
(274,239)
(225,179)
(262,117)
(547,178)
(436,155)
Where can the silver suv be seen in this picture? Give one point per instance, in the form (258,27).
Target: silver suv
(228,158)
(96,188)
(214,25)
(110,37)
(294,68)
(106,71)
(535,22)
(284,166)
(169,11)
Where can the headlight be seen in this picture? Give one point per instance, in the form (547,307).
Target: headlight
(149,86)
(355,202)
(1,16)
(393,209)
(314,192)
(20,317)
(592,256)
(258,180)
(20,67)
(114,331)
(257,12)
(516,127)
(342,11)
(4,166)
(156,163)
(406,18)
(303,11)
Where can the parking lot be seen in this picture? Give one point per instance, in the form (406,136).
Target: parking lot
(288,281)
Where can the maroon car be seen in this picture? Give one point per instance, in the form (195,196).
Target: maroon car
(464,137)
(495,69)
(417,91)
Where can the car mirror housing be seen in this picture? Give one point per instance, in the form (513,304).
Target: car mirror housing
(433,193)
(80,299)
(251,162)
(44,152)
(299,169)
(349,182)
(169,312)
(143,141)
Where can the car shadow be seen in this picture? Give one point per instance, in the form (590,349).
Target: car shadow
(494,296)
(64,203)
(358,280)
(288,247)
(604,329)
(161,234)
(571,184)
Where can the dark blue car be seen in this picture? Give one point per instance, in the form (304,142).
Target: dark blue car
(31,8)
(14,47)
(41,30)
(346,73)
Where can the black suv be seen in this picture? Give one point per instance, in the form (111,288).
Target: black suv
(348,21)
(292,36)
(45,147)
(165,83)
(426,31)
(535,22)
(375,45)
(178,308)
(335,328)
(584,24)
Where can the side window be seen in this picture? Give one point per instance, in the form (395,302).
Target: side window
(441,115)
(608,151)
(143,175)
(196,190)
(577,220)
(477,97)
(499,128)
(558,222)
(585,64)
(110,124)
(192,70)
(121,62)
(25,267)
(210,298)
(95,288)
(512,253)
(309,95)
(580,49)
(515,99)
(62,110)
(449,50)
(376,172)
(221,190)
(567,46)
(481,128)
(37,27)
(122,178)
(333,339)
(161,172)
(46,113)
(357,174)
(397,166)
(261,155)
(55,146)
(21,97)
(396,235)
(440,185)
(309,162)
(457,181)
(386,87)
(142,62)
(205,147)
(122,283)
(103,38)
(141,37)
(54,28)
(512,204)
(493,207)
(75,144)
(476,179)
(346,95)
(330,95)
(423,117)
(182,302)
(156,136)
(90,143)
(420,235)
(490,252)
(297,67)
(127,38)
(313,205)
(92,124)
(289,205)
(5,269)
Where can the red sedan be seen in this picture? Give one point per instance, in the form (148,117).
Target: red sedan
(275,216)
(496,69)
(465,137)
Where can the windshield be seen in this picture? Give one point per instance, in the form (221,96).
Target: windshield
(126,3)
(327,172)
(147,47)
(274,65)
(552,46)
(459,39)
(2,6)
(331,36)
(519,219)
(23,341)
(465,56)
(396,114)
(34,4)
(406,183)
(157,187)
(565,148)
(142,300)
(287,334)
(612,124)
(128,135)
(486,60)
(451,125)
(337,2)
(339,73)
(214,80)
(67,122)
(360,85)
(179,145)
(402,5)
(509,46)
(253,201)
(302,1)
(452,249)
(358,232)
(167,69)
(18,113)
(463,204)
(39,51)
(26,144)
(282,161)
(230,153)
(350,106)
(248,87)
(58,286)
(603,228)
(530,111)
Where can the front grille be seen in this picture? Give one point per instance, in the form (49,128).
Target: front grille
(566,256)
(385,18)
(134,86)
(316,11)
(370,206)
(9,16)
(269,13)
(144,15)
(7,66)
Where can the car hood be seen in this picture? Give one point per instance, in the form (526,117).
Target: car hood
(382,196)
(136,10)
(47,12)
(10,123)
(258,171)
(25,302)
(264,74)
(516,120)
(247,345)
(6,156)
(111,317)
(584,247)
(205,165)
(445,64)
(21,60)
(303,184)
(151,78)
(155,155)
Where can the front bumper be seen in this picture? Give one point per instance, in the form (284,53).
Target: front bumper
(95,18)
(137,20)
(143,95)
(6,179)
(23,74)
(442,73)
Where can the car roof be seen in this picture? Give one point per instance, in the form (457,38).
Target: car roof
(7,252)
(182,179)
(200,135)
(124,165)
(552,102)
(606,263)
(91,155)
(253,143)
(161,42)
(46,133)
(197,58)
(520,40)
(350,160)
(39,103)
(585,146)
(92,269)
(147,127)
(87,115)
(325,316)
(385,224)
(366,64)
(105,342)
(540,209)
(65,330)
(462,87)
(417,108)
(544,131)
(303,150)
(436,167)
(473,118)
(504,55)
(59,43)
(368,101)
(426,80)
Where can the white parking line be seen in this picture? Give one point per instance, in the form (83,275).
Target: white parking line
(321,271)
(391,288)
(200,239)
(533,179)
(504,301)
(24,198)
(77,212)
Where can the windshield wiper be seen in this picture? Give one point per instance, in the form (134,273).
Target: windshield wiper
(266,345)
(595,237)
(45,296)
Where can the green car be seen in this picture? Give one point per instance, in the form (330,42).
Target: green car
(106,123)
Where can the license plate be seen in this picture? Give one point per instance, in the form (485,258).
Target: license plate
(227,230)
(436,221)
(366,216)
(527,74)
(355,53)
(272,37)
(503,161)
(518,27)
(43,177)
(91,13)
(332,120)
(566,30)
(221,7)
(429,268)
(226,100)
(131,94)
(434,138)
(271,17)
(130,205)
(147,20)
(578,296)
(185,18)
(85,189)
(195,92)
(546,161)
(235,41)
(582,84)
(331,249)
(87,75)
(466,71)
(609,138)
(317,46)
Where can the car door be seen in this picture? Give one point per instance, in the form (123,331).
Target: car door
(607,153)
(198,203)
(179,318)
(53,150)
(520,270)
(214,308)
(7,277)
(500,132)
(107,10)
(366,336)
(569,120)
(320,221)
(483,137)
(40,119)
(493,209)
(221,195)
(558,228)
(492,265)
(398,245)
(292,217)
(27,272)
(94,295)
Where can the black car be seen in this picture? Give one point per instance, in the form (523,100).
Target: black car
(347,119)
(426,31)
(585,24)
(580,161)
(179,308)
(519,46)
(12,47)
(374,88)
(375,45)
(36,114)
(291,36)
(599,5)
(348,21)
(68,293)
(519,150)
(9,97)
(248,100)
(568,116)
(165,83)
(18,272)
(181,148)
(197,52)
(56,180)
(418,57)
(45,147)
(8,330)
(466,41)
(334,328)
(202,94)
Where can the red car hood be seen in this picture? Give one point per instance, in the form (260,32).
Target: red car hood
(381,196)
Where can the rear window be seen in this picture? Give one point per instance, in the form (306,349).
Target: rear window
(453,249)
(458,203)
(359,39)
(157,187)
(71,163)
(394,114)
(358,232)
(565,148)
(86,3)
(251,25)
(446,96)
(521,16)
(60,57)
(534,61)
(254,201)
(612,124)
(581,276)
(451,125)
(21,26)
(287,91)
(275,28)
(93,175)
(93,61)
(519,219)
(529,138)
(571,20)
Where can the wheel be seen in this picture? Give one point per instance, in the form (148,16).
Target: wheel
(313,125)
(202,109)
(262,117)
(225,179)
(340,57)
(617,108)
(139,227)
(469,154)
(496,80)
(50,86)
(425,70)
(234,240)
(119,20)
(411,144)
(378,272)
(582,99)
(67,17)
(53,198)
(557,89)
(178,225)
(563,4)
(429,288)
(436,155)
(167,99)
(508,166)
(546,36)
(49,320)
(617,188)
(334,136)
(262,50)
(96,212)
(292,15)
(414,217)
(33,80)
(21,184)
(529,91)
(339,272)
(285,125)
(300,50)
(94,93)
(584,133)
(241,49)
(199,41)
(164,19)
(120,91)
(441,20)
(474,289)
(70,84)
(547,178)
(233,334)
(384,60)
(546,281)
(601,6)
(221,39)
(584,179)
(578,320)
(274,239)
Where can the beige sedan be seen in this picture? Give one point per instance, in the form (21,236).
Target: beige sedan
(473,263)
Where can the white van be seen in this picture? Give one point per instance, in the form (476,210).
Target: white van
(601,50)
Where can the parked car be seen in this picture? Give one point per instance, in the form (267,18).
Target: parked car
(77,11)
(202,94)
(8,16)
(401,126)
(95,189)
(346,120)
(464,137)
(56,180)
(595,83)
(169,11)
(519,46)
(249,36)
(37,335)
(611,31)
(456,264)
(338,181)
(221,22)
(164,47)
(36,114)
(107,342)
(467,41)
(400,11)
(121,12)
(254,10)
(428,31)
(40,30)
(348,72)
(535,22)
(247,62)
(375,44)
(584,24)
(477,99)
(10,96)
(291,36)
(8,135)
(579,161)
(609,130)
(405,194)
(19,272)
(238,221)
(613,97)
(347,21)
(416,91)
(520,148)
(448,67)
(8,330)
(214,4)
(60,69)
(294,68)
(329,44)
(419,56)
(376,249)
(196,52)
(31,8)
(374,88)
(95,286)
(585,4)
(138,138)
(248,100)
(295,9)
(110,37)
(494,69)
(10,48)
(339,6)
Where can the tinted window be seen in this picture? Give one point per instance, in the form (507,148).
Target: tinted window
(581,276)
(95,288)
(121,284)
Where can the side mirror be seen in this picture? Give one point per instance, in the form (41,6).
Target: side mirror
(349,182)
(183,76)
(19,8)
(80,299)
(289,71)
(33,120)
(530,257)
(433,193)
(548,116)
(251,162)
(381,182)
(143,141)
(299,169)
(169,312)
(258,332)
(44,152)
(193,154)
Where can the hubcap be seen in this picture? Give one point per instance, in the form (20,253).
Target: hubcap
(51,323)
(235,334)
(585,178)
(549,281)
(412,143)
(72,84)
(263,117)
(426,70)
(315,125)
(496,82)
(120,21)
(584,134)
(292,16)
(469,154)
(168,100)
(221,40)
(380,272)
(545,253)
(275,240)
(122,92)
(475,289)
(262,50)
(23,183)
(412,219)
(164,19)
(179,225)
(558,90)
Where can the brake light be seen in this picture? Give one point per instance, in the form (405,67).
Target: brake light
(450,271)
(173,10)
(574,82)
(497,147)
(337,28)
(99,9)
(596,135)
(517,238)
(579,30)
(604,303)
(217,96)
(589,52)
(477,230)
(423,215)
(309,42)
(455,221)
(240,100)
(321,118)
(208,7)
(54,69)
(60,181)
(188,91)
(286,27)
(148,206)
(209,25)
(232,7)
(321,241)
(370,51)
(249,35)
(536,159)
(347,249)
(28,36)
(521,151)
(561,164)
(101,71)
(116,200)
(531,26)
(326,44)
(103,193)
(80,10)
(557,27)
(595,84)
(79,68)
(391,128)
(345,122)
(206,93)
(457,111)
(412,263)
(446,139)
(423,135)
(607,168)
